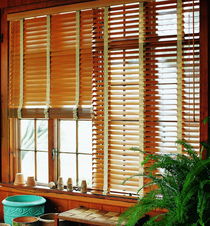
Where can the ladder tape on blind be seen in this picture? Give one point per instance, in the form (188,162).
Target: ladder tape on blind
(105,187)
(46,110)
(141,89)
(21,70)
(179,71)
(77,94)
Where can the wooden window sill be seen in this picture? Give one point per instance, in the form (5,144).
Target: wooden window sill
(74,196)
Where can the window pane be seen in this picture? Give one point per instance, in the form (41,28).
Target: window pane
(85,137)
(42,135)
(67,136)
(27,134)
(85,169)
(42,167)
(68,167)
(27,163)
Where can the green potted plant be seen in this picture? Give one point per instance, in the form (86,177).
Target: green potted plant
(183,190)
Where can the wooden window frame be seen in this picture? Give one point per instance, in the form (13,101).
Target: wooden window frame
(53,147)
(8,157)
(35,151)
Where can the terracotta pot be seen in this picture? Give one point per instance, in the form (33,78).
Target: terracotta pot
(19,179)
(31,181)
(48,219)
(25,221)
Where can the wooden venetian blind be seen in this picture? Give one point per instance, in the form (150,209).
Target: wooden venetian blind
(63,59)
(34,62)
(51,65)
(125,116)
(137,64)
(14,69)
(152,94)
(98,99)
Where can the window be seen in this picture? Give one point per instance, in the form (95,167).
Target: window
(75,150)
(90,84)
(34,148)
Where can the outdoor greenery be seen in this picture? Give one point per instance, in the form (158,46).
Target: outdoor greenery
(183,191)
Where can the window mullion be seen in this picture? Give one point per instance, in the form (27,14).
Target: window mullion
(77,157)
(52,149)
(35,147)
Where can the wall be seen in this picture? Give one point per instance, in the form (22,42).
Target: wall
(29,4)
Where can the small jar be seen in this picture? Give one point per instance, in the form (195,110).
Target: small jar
(60,185)
(31,181)
(69,184)
(83,186)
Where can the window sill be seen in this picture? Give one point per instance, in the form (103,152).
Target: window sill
(114,200)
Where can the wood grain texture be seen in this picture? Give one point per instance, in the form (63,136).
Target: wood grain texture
(90,216)
(20,5)
(0,81)
(3,3)
(4,101)
(63,202)
(204,69)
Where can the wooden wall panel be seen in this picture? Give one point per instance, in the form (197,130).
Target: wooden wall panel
(4,101)
(3,195)
(56,205)
(62,202)
(14,3)
(204,70)
(75,204)
(111,208)
(22,5)
(3,3)
(0,81)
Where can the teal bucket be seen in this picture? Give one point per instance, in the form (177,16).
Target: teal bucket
(22,205)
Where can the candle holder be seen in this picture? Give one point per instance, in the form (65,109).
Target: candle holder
(84,186)
(60,185)
(69,184)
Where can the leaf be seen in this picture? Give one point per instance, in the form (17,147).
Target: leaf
(206,120)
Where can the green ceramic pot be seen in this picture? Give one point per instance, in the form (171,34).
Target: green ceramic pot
(22,205)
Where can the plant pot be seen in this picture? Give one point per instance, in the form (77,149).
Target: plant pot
(48,219)
(22,205)
(25,221)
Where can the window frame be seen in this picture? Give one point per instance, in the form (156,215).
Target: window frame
(35,150)
(53,147)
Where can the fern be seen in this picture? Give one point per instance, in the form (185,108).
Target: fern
(183,190)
